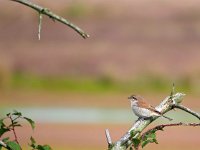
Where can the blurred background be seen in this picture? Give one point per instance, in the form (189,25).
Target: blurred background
(74,88)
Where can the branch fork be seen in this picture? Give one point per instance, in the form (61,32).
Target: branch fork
(50,14)
(169,103)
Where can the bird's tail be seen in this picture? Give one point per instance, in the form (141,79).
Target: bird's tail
(170,119)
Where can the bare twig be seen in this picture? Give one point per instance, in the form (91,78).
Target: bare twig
(187,110)
(39,26)
(160,127)
(53,16)
(108,137)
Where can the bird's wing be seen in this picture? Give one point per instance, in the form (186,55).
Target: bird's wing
(153,109)
(143,104)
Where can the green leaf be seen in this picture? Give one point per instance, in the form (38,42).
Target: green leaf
(155,141)
(17,113)
(33,143)
(131,148)
(144,143)
(152,135)
(32,123)
(2,123)
(136,142)
(149,138)
(6,139)
(43,147)
(32,140)
(8,114)
(13,145)
(38,147)
(3,130)
(15,124)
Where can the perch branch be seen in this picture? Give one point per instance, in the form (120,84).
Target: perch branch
(187,110)
(125,141)
(161,127)
(53,16)
(108,137)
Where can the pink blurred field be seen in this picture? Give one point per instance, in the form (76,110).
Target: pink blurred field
(125,41)
(91,136)
(24,98)
(129,38)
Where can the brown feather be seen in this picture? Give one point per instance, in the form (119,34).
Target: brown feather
(144,104)
(141,103)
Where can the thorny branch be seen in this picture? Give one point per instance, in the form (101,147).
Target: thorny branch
(187,110)
(166,105)
(161,127)
(47,12)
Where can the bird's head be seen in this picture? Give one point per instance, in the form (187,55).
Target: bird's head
(133,98)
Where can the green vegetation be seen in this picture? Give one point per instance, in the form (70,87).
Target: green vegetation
(144,83)
(9,124)
(62,84)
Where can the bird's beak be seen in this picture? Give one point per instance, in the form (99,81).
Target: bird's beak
(129,97)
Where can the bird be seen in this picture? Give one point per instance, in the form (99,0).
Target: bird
(144,110)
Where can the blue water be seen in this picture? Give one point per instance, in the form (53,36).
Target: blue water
(75,115)
(90,115)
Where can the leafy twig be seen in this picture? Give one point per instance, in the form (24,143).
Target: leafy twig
(132,136)
(14,118)
(143,139)
(53,16)
(125,141)
(13,128)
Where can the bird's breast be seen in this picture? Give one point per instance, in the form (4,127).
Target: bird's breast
(141,112)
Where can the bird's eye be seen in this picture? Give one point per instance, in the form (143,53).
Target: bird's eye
(132,97)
